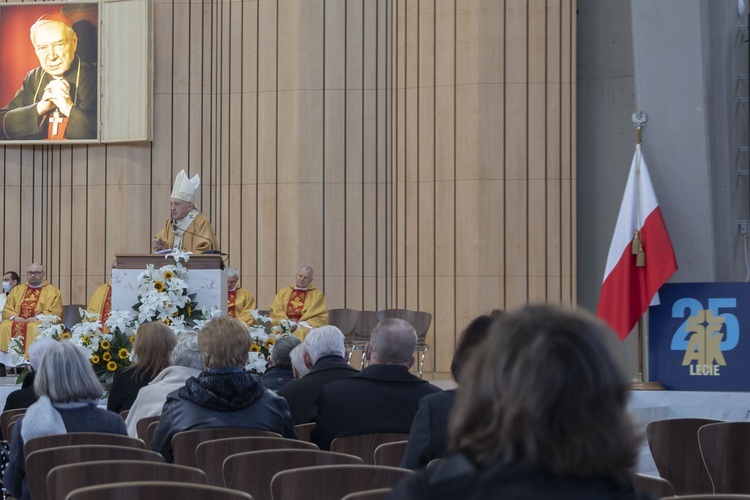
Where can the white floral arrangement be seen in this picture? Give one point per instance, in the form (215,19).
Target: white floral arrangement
(162,296)
(49,326)
(264,337)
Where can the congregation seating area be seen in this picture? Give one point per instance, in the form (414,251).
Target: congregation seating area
(696,459)
(219,463)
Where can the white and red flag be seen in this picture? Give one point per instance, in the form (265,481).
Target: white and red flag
(641,258)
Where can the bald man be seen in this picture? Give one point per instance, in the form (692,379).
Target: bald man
(25,304)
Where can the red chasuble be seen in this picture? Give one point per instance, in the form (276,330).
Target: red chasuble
(107,307)
(231,302)
(296,304)
(27,310)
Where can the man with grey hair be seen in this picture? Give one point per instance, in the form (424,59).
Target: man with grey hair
(325,354)
(383,398)
(302,303)
(299,367)
(185,362)
(279,372)
(240,302)
(187,229)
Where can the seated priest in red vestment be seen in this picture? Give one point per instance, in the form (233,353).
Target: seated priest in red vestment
(187,229)
(101,300)
(239,301)
(26,302)
(301,303)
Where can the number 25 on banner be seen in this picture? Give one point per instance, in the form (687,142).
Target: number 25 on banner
(705,333)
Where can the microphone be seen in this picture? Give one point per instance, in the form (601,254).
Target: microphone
(210,242)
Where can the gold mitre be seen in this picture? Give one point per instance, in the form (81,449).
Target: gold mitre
(184,187)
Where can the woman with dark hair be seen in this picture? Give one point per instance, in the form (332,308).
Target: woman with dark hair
(69,393)
(428,437)
(151,350)
(540,413)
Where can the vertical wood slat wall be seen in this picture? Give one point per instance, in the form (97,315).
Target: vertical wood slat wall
(483,210)
(416,153)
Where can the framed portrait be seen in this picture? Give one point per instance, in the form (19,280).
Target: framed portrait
(61,72)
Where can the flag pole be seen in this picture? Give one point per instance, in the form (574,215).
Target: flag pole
(639,120)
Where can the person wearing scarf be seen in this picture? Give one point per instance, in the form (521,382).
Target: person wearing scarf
(224,395)
(69,395)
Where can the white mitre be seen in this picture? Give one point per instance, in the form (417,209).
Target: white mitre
(185,188)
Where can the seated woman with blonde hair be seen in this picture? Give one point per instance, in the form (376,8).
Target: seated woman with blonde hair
(540,413)
(69,394)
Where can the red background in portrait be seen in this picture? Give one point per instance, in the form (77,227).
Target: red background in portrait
(17,56)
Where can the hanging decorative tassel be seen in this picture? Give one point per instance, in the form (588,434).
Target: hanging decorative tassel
(640,259)
(636,246)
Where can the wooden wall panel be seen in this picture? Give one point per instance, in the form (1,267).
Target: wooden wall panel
(503,167)
(416,153)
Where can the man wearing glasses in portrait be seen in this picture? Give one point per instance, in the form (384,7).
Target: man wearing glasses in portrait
(25,303)
(57,100)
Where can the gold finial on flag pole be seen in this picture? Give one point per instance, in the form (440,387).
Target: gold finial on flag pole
(639,120)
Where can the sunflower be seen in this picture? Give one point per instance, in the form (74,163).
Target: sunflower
(269,343)
(95,359)
(107,356)
(131,339)
(112,366)
(123,353)
(65,335)
(159,286)
(104,344)
(255,348)
(168,275)
(85,339)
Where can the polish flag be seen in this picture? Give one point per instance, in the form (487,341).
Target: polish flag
(631,281)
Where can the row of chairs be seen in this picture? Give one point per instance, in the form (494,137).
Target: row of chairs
(186,444)
(697,456)
(64,460)
(357,325)
(203,448)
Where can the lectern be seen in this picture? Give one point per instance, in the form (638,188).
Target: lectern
(206,279)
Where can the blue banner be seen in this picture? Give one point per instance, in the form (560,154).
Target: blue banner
(699,337)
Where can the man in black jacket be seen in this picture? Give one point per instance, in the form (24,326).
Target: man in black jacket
(383,398)
(326,357)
